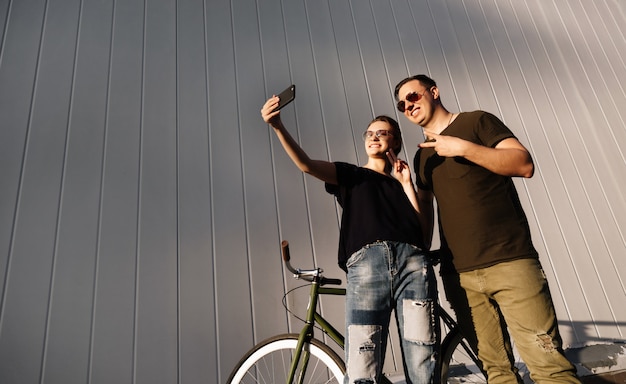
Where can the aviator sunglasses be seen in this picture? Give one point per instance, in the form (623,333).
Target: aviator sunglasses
(413,97)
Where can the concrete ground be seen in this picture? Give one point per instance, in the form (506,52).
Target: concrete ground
(618,377)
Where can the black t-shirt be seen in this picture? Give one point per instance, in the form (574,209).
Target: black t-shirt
(375,208)
(480,216)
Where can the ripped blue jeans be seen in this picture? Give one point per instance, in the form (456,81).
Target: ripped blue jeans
(382,277)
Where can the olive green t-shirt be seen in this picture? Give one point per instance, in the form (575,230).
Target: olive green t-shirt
(481,220)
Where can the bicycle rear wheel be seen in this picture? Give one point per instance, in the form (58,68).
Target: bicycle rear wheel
(270,360)
(459,363)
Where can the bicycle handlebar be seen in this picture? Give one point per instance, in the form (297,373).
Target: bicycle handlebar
(305,274)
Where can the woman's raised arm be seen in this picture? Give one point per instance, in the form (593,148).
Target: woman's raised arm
(321,169)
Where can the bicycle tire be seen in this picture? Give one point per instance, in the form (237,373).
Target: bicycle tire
(459,363)
(269,362)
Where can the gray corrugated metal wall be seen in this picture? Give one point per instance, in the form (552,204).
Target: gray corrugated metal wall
(143,200)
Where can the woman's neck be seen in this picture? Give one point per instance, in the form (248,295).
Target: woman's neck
(379,165)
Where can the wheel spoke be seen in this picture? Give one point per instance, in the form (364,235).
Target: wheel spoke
(459,363)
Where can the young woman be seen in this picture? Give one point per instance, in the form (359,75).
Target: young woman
(381,247)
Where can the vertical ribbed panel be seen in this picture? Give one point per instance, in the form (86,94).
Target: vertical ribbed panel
(143,199)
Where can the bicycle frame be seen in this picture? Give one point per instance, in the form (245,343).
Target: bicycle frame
(286,358)
(312,317)
(317,280)
(451,324)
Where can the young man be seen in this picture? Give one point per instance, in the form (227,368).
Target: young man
(489,264)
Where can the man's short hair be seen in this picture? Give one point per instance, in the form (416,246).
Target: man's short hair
(425,80)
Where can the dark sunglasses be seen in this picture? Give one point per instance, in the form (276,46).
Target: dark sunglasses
(413,97)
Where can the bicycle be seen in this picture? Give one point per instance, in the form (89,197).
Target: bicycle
(301,358)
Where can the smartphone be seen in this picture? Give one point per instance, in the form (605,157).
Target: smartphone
(286,96)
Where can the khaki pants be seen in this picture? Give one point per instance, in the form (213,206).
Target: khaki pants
(512,297)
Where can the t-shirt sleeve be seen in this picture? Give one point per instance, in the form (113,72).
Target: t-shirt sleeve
(333,189)
(491,130)
(343,178)
(419,180)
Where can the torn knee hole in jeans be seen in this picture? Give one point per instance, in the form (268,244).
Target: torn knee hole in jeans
(365,337)
(545,342)
(364,353)
(367,346)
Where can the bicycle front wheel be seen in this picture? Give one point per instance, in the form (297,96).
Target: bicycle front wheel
(459,363)
(270,360)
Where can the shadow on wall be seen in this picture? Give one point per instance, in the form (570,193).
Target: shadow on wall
(598,355)
(599,358)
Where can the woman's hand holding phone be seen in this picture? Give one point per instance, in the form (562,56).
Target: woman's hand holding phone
(286,96)
(270,111)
